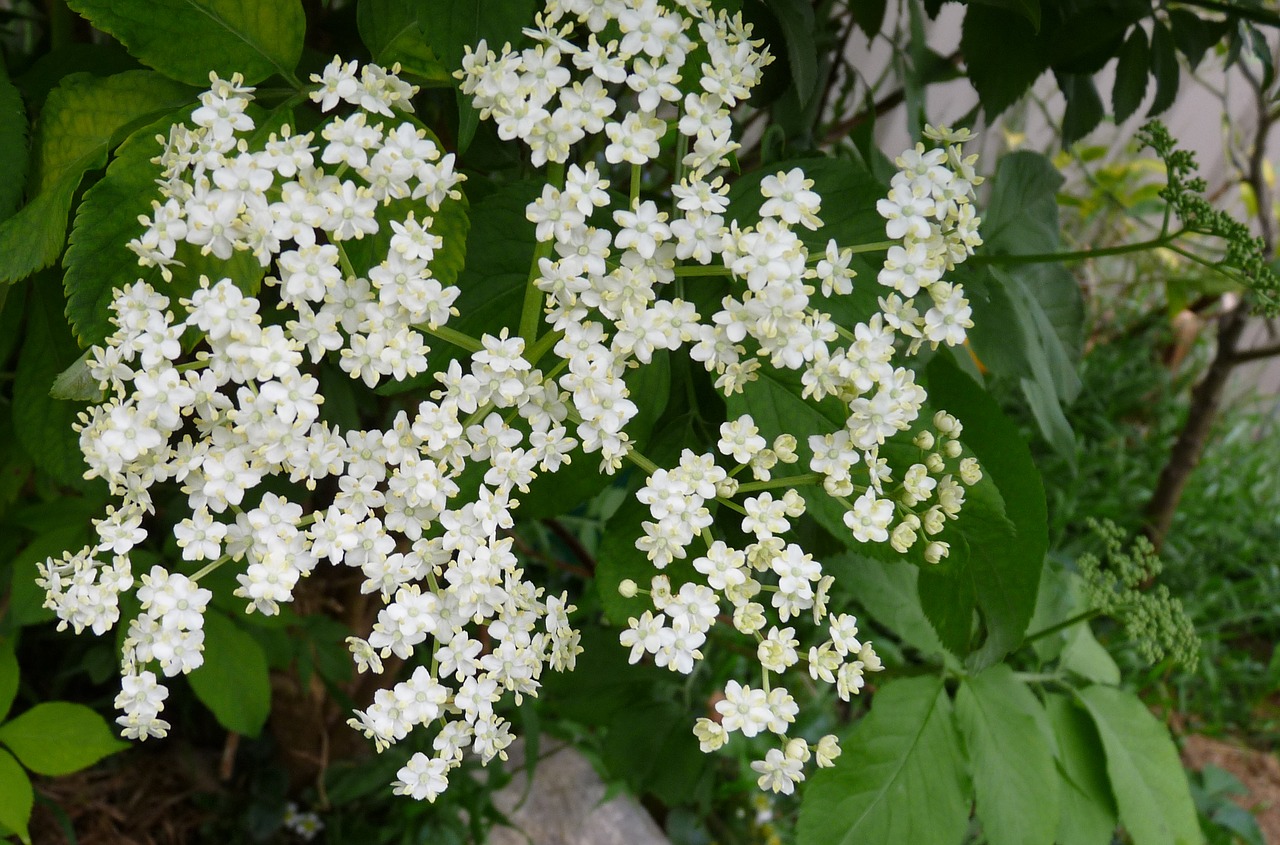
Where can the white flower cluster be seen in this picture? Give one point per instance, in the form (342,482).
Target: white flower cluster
(246,407)
(606,296)
(532,95)
(394,503)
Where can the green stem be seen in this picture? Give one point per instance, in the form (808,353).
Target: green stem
(682,149)
(1203,262)
(1077,255)
(732,505)
(635,457)
(879,246)
(531,311)
(1084,616)
(210,568)
(773,483)
(61,24)
(533,354)
(699,270)
(635,187)
(457,338)
(1038,677)
(344,261)
(1257,15)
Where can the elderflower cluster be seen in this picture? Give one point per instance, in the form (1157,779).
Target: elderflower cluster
(423,509)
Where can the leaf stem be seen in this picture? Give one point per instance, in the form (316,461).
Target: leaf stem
(533,354)
(531,311)
(1257,15)
(774,483)
(210,568)
(878,246)
(1083,616)
(344,261)
(1078,255)
(634,196)
(700,270)
(457,338)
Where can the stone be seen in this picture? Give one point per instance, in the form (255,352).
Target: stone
(565,805)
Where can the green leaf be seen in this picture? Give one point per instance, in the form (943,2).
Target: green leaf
(1029,9)
(1007,735)
(452,24)
(553,494)
(618,559)
(1014,334)
(16,796)
(76,383)
(13,140)
(42,423)
(1131,75)
(1022,214)
(868,15)
(15,464)
(451,223)
(9,675)
(887,589)
(1146,775)
(1050,418)
(602,682)
(82,120)
(1061,598)
(651,746)
(1006,575)
(1164,67)
(1090,34)
(59,737)
(774,403)
(1084,107)
(1194,35)
(233,682)
(1087,657)
(1052,364)
(901,779)
(1088,811)
(186,39)
(947,599)
(98,259)
(1002,55)
(499,245)
(849,215)
(796,19)
(389,28)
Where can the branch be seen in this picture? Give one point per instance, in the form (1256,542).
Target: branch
(575,545)
(1255,14)
(1255,354)
(1206,397)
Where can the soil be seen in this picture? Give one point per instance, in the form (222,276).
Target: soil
(1259,771)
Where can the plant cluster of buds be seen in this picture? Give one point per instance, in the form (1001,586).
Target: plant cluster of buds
(424,508)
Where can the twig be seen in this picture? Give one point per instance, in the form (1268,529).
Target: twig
(575,545)
(1255,354)
(1206,397)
